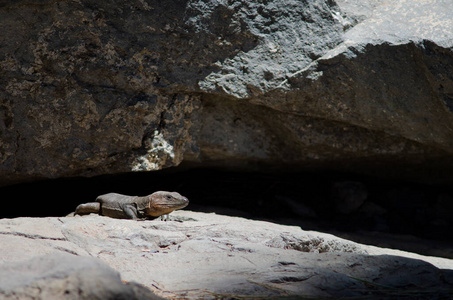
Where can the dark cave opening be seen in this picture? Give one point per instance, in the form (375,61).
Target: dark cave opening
(396,214)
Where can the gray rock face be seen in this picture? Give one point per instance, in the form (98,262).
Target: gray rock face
(91,87)
(65,276)
(206,256)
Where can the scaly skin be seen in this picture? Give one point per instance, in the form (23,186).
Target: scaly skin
(133,207)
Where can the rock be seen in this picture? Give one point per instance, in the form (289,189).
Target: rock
(371,209)
(99,87)
(442,209)
(364,86)
(348,196)
(296,207)
(206,255)
(93,88)
(65,276)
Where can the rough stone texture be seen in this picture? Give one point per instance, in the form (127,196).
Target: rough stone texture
(89,87)
(66,276)
(207,256)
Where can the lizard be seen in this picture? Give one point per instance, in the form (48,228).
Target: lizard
(134,207)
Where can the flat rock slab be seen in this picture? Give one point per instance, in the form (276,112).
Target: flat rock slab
(65,276)
(198,255)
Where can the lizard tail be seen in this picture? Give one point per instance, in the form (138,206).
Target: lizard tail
(88,208)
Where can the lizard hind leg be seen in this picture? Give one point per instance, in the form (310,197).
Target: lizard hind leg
(88,208)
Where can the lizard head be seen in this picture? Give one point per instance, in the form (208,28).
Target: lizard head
(162,203)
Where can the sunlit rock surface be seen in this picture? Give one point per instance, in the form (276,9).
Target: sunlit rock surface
(198,255)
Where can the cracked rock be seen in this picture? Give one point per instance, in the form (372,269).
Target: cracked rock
(91,87)
(202,255)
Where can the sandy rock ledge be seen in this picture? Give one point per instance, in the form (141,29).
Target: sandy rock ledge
(198,255)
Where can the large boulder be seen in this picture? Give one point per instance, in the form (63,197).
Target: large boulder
(205,256)
(89,87)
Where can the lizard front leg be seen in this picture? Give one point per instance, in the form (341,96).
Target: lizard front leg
(130,211)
